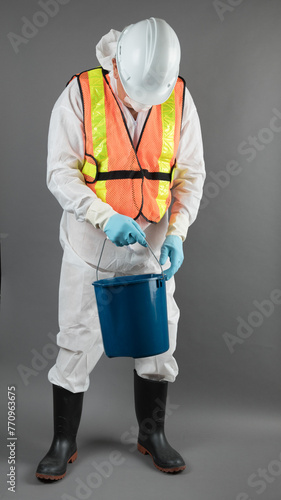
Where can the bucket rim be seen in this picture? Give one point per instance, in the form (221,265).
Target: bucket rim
(127,280)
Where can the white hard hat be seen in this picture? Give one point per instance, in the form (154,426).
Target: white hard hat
(148,58)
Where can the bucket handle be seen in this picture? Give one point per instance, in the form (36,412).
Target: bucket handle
(97,269)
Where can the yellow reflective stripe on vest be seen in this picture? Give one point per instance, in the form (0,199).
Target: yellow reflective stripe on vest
(89,169)
(98,130)
(168,115)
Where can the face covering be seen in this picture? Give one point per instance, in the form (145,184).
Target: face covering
(135,105)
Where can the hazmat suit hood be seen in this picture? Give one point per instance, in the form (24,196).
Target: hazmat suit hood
(106,49)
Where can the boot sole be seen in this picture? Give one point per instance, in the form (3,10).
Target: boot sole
(56,478)
(172,470)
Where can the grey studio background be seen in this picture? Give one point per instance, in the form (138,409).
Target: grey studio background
(224,412)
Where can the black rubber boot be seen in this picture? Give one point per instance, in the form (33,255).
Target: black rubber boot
(150,405)
(67,413)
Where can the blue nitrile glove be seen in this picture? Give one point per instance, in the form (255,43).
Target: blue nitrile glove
(172,248)
(123,230)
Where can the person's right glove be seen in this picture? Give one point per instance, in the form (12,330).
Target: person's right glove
(172,248)
(123,230)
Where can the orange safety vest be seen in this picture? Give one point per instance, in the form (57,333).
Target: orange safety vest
(134,181)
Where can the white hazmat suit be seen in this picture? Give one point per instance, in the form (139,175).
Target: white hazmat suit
(82,236)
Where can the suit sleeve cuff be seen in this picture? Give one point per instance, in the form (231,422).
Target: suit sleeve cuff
(178,225)
(99,213)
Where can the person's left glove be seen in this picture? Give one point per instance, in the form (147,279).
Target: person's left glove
(172,248)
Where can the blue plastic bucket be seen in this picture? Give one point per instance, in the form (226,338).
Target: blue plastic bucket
(133,315)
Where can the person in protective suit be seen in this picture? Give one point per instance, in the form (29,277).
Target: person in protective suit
(124,145)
